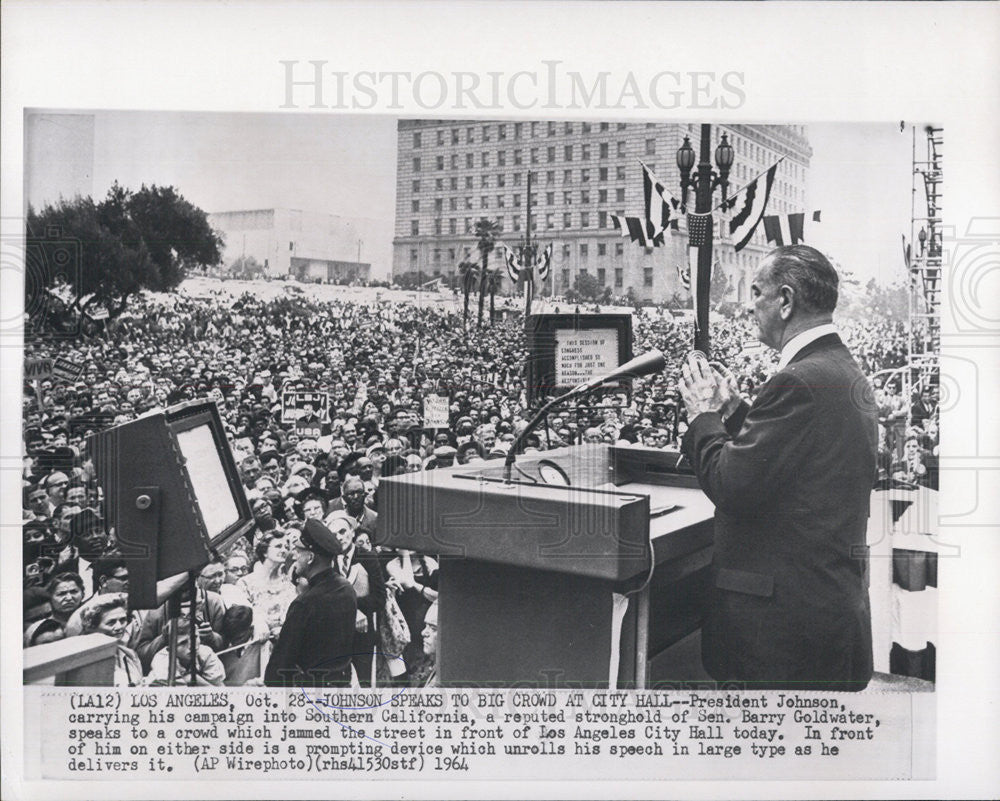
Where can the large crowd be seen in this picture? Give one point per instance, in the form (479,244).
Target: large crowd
(376,361)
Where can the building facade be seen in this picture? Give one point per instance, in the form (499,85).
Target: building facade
(305,245)
(450,173)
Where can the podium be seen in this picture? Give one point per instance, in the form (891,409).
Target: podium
(577,574)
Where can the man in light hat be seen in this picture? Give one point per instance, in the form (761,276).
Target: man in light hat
(315,645)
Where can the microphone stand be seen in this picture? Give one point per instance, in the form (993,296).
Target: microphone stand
(634,368)
(515,447)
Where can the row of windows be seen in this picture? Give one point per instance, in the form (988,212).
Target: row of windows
(567,198)
(534,155)
(602,276)
(517,157)
(740,175)
(583,249)
(602,250)
(584,219)
(468,182)
(517,130)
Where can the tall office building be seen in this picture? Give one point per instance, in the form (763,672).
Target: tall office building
(452,172)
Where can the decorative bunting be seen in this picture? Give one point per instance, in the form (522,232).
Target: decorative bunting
(659,213)
(543,262)
(745,222)
(787,229)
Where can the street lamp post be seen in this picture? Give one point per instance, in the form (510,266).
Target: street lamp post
(526,255)
(704,183)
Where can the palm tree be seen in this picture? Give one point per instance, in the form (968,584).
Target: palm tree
(468,276)
(493,283)
(486,232)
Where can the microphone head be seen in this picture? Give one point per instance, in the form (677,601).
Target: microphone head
(652,362)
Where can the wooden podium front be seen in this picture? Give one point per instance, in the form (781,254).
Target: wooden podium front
(543,585)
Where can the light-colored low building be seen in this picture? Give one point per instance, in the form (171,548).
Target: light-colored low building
(306,245)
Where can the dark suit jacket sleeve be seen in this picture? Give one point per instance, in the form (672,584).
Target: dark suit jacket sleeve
(283,666)
(375,600)
(216,612)
(734,422)
(152,637)
(738,473)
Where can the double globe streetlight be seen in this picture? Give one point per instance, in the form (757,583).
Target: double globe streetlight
(704,182)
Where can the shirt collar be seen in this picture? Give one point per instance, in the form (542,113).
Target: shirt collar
(318,577)
(799,341)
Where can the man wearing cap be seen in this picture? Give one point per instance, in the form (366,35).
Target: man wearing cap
(315,645)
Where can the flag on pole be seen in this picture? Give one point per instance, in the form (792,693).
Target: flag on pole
(633,228)
(684,274)
(543,262)
(697,239)
(658,208)
(787,229)
(659,212)
(745,221)
(511,263)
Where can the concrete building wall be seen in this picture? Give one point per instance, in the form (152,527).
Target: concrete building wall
(296,242)
(451,173)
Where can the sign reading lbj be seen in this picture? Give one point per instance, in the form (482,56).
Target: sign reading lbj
(311,409)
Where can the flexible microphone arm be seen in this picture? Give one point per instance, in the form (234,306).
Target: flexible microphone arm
(508,465)
(652,362)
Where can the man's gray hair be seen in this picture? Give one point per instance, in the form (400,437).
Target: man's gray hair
(808,272)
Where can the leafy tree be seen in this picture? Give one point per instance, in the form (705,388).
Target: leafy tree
(99,254)
(587,287)
(409,280)
(890,301)
(721,285)
(675,301)
(486,232)
(247,268)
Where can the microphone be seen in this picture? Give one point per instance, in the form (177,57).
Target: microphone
(652,362)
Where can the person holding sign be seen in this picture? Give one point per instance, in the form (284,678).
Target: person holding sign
(791,479)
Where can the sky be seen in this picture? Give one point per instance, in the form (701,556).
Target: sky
(859,177)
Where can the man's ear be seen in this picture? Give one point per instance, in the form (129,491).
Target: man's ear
(787,295)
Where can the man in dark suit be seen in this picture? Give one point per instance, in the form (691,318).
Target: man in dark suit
(791,478)
(316,641)
(362,569)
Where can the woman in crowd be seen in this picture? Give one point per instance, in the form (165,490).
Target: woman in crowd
(66,591)
(109,615)
(268,586)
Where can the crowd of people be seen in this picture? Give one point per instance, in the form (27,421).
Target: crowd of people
(376,362)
